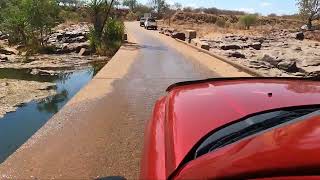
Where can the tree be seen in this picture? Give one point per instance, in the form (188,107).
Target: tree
(177,6)
(141,9)
(28,21)
(159,5)
(248,20)
(309,9)
(42,16)
(130,3)
(100,13)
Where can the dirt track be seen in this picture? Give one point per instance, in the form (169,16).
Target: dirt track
(99,133)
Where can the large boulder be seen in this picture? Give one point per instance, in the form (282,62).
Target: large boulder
(72,48)
(78,39)
(299,36)
(178,35)
(236,54)
(204,45)
(288,66)
(256,46)
(76,47)
(271,60)
(230,47)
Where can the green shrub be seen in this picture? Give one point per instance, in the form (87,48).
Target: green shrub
(248,20)
(113,30)
(221,22)
(112,37)
(29,21)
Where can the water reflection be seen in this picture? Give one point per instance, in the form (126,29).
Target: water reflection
(19,126)
(50,104)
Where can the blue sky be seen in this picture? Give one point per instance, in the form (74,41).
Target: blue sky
(264,7)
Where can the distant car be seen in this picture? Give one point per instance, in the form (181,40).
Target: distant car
(142,20)
(151,23)
(235,128)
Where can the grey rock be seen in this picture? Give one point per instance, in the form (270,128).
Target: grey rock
(298,48)
(256,46)
(271,60)
(4,59)
(299,36)
(178,35)
(288,66)
(230,47)
(84,52)
(205,46)
(236,54)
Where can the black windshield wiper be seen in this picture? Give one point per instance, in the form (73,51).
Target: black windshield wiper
(247,130)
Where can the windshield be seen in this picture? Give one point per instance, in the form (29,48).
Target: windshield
(250,126)
(151,20)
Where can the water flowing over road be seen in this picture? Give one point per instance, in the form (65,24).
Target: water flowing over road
(99,133)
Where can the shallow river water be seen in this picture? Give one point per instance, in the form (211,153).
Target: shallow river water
(17,127)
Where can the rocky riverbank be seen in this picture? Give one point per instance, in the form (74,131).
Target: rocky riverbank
(280,53)
(67,49)
(14,93)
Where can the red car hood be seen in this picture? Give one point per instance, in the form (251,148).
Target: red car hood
(195,110)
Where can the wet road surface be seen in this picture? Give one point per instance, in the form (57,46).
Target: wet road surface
(100,132)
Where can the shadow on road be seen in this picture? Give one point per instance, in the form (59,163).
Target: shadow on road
(112,178)
(134,46)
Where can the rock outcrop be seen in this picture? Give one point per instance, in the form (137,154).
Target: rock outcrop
(70,40)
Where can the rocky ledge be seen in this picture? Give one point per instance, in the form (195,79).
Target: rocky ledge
(277,54)
(14,93)
(280,53)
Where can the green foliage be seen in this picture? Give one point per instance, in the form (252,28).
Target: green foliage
(130,3)
(141,9)
(28,21)
(113,31)
(111,40)
(160,6)
(248,20)
(100,12)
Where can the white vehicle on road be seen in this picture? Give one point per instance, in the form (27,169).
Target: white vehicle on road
(151,23)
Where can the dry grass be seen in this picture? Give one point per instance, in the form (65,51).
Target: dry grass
(205,28)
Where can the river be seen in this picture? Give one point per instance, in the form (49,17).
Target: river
(17,127)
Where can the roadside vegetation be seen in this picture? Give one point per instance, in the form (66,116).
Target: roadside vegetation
(28,23)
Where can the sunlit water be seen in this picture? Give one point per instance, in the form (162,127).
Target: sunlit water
(17,127)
